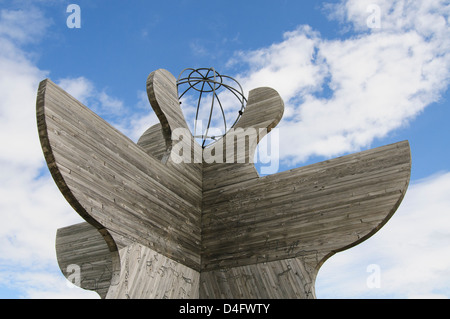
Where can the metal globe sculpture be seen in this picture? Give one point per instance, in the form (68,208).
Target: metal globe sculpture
(207,88)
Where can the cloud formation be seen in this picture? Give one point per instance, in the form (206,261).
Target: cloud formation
(112,108)
(342,94)
(30,203)
(412,251)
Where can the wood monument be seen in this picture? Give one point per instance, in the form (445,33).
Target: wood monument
(158,227)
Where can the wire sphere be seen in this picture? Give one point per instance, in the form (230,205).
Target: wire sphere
(207,84)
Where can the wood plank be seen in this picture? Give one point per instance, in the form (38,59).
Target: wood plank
(82,251)
(147,274)
(324,207)
(113,183)
(282,279)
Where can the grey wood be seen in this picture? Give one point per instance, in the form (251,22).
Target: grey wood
(281,279)
(113,183)
(153,142)
(86,259)
(322,208)
(218,228)
(147,274)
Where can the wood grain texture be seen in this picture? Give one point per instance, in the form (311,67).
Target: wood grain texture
(82,251)
(113,183)
(320,209)
(282,279)
(153,142)
(163,96)
(146,274)
(263,112)
(209,229)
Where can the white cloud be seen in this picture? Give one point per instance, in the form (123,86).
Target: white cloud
(292,66)
(30,201)
(18,86)
(31,206)
(112,109)
(412,251)
(113,105)
(197,48)
(80,88)
(379,79)
(43,284)
(426,17)
(98,100)
(23,26)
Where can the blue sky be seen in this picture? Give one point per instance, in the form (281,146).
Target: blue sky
(347,84)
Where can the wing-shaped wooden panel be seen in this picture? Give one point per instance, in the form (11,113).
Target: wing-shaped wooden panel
(86,258)
(263,112)
(314,210)
(112,183)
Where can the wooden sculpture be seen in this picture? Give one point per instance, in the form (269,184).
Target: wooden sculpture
(160,228)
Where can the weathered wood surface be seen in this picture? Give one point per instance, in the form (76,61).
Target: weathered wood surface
(134,271)
(163,96)
(146,274)
(153,142)
(268,237)
(234,234)
(112,183)
(86,259)
(281,279)
(318,209)
(263,112)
